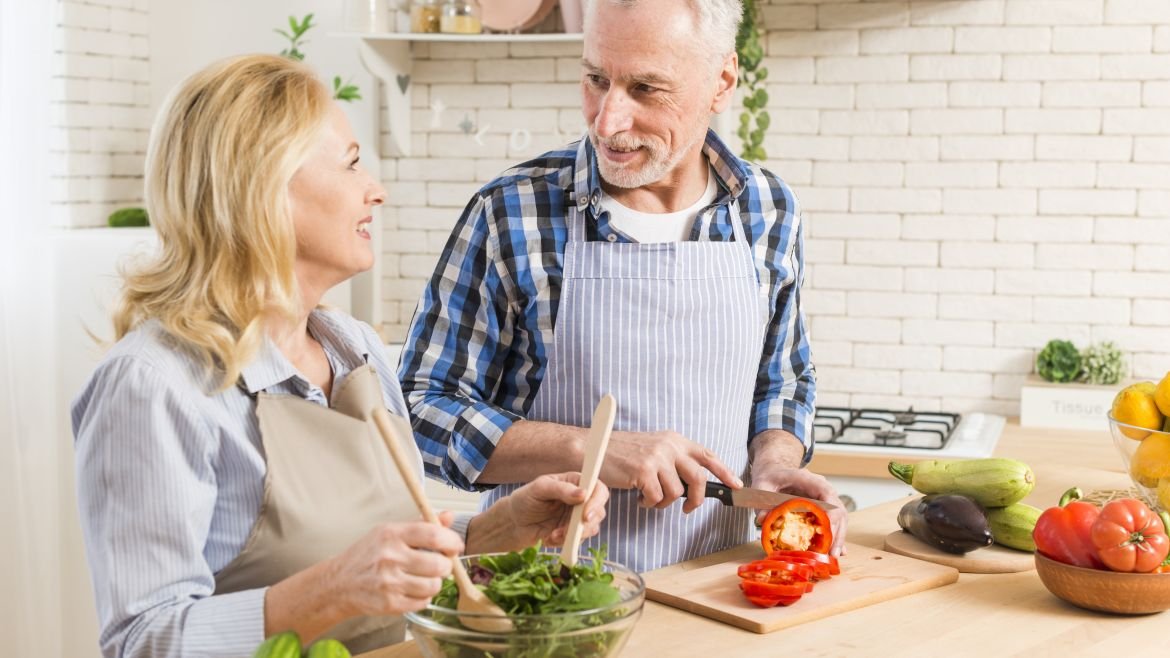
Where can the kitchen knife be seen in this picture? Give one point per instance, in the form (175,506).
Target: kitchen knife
(753,498)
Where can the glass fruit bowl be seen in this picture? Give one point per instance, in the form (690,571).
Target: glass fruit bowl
(1146,454)
(440,632)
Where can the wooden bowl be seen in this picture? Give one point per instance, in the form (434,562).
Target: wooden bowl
(1106,591)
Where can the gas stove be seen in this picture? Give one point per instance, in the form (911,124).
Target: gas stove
(901,432)
(898,434)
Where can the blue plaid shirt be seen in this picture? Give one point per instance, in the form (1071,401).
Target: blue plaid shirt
(478,346)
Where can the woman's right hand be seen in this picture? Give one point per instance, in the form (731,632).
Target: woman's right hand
(395,568)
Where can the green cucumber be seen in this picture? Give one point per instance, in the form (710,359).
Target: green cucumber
(1012,526)
(328,648)
(281,645)
(992,482)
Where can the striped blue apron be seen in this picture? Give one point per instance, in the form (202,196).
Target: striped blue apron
(675,332)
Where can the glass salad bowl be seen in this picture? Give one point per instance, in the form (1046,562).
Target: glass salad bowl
(579,630)
(1146,455)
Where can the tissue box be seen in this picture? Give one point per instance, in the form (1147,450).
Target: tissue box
(1066,406)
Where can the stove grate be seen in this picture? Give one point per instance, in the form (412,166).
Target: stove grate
(884,428)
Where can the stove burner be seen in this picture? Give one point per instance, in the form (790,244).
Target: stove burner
(890,437)
(884,427)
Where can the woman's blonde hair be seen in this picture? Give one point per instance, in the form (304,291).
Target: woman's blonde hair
(222,152)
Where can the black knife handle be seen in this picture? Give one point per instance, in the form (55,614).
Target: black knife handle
(715,490)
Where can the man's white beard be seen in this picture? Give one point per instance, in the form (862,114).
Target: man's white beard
(656,166)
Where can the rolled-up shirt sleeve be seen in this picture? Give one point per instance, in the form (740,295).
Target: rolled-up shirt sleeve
(785,391)
(451,360)
(146,485)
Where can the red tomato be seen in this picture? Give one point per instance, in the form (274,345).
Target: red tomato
(1128,536)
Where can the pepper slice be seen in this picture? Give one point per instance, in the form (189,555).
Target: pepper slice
(771,591)
(824,558)
(766,602)
(778,572)
(797,524)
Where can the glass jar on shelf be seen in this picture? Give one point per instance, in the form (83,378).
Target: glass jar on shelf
(460,17)
(424,16)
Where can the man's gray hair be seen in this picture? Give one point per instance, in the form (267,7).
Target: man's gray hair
(717,24)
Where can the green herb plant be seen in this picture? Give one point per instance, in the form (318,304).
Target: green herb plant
(1059,362)
(530,582)
(296,39)
(1102,364)
(754,119)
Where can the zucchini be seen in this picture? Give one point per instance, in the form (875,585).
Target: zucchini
(1012,526)
(328,648)
(992,482)
(949,522)
(281,645)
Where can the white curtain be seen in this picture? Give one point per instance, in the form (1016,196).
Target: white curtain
(30,448)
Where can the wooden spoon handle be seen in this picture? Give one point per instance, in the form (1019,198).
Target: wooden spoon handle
(393,435)
(599,430)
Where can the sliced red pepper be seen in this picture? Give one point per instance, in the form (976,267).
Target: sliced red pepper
(770,590)
(775,571)
(831,560)
(820,570)
(765,602)
(798,524)
(1064,532)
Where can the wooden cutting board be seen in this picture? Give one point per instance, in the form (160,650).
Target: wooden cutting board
(867,576)
(992,559)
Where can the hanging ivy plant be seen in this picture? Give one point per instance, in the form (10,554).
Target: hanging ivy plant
(754,119)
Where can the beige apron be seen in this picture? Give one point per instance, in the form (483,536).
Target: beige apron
(330,481)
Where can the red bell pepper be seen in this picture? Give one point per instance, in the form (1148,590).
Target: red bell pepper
(798,524)
(1064,533)
(1128,536)
(826,563)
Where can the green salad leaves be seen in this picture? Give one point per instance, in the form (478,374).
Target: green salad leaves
(556,611)
(530,582)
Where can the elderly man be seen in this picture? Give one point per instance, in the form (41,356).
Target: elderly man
(646,261)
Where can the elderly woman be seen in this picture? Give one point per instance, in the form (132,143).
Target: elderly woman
(230,484)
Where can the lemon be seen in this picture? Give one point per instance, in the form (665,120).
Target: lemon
(1134,405)
(1151,461)
(1162,395)
(1164,493)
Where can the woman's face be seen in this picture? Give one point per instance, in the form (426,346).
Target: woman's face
(332,197)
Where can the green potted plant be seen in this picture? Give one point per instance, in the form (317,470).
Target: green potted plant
(1072,388)
(295,35)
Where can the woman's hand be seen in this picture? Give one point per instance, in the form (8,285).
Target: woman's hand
(395,568)
(537,511)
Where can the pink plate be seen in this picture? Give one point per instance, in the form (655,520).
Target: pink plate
(514,15)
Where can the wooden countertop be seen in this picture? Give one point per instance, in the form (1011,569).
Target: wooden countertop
(980,615)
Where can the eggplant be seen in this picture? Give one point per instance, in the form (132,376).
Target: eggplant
(949,522)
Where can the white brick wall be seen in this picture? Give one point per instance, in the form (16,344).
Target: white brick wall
(100,123)
(978,177)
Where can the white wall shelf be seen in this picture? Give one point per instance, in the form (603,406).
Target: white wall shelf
(387,55)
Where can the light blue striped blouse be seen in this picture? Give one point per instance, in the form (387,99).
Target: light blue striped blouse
(170,481)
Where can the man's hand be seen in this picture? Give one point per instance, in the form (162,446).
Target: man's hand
(657,464)
(799,482)
(776,457)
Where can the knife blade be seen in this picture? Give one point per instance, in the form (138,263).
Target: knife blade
(753,498)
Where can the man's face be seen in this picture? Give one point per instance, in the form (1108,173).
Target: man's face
(648,86)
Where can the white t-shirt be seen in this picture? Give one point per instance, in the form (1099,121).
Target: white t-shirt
(649,227)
